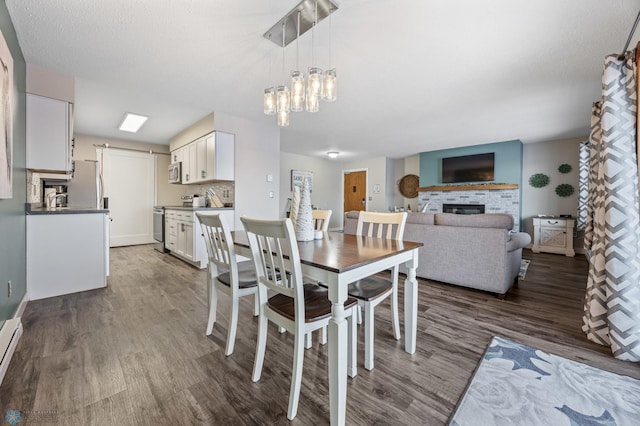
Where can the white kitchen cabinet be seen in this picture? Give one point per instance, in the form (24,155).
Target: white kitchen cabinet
(206,159)
(184,234)
(171,230)
(66,253)
(553,235)
(49,132)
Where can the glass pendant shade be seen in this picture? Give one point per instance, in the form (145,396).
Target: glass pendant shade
(270,101)
(297,91)
(284,99)
(314,89)
(283,118)
(330,85)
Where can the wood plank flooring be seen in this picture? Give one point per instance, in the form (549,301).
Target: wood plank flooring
(136,353)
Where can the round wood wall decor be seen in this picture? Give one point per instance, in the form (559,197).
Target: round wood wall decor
(408,186)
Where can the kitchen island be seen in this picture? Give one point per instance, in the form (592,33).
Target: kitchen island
(67,250)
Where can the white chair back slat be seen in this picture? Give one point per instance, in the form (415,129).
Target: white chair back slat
(217,238)
(268,240)
(321,219)
(381,225)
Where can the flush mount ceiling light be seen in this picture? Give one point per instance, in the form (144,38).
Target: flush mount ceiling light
(304,95)
(333,154)
(132,122)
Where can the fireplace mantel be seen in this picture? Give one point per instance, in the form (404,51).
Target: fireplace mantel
(476,187)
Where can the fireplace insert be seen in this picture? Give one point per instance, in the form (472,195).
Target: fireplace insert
(463,208)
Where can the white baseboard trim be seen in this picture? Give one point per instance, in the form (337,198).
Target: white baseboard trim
(22,306)
(9,337)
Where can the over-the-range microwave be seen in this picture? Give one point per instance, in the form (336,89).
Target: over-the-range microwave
(175,172)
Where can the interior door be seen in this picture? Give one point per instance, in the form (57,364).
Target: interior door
(355,191)
(129,183)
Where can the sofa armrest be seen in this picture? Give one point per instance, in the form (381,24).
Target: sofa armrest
(518,241)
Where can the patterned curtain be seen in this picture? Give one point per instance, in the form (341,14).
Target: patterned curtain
(612,232)
(583,185)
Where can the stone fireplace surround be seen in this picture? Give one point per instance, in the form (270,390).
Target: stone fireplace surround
(497,198)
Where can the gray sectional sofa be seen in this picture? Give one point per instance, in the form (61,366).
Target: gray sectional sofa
(477,251)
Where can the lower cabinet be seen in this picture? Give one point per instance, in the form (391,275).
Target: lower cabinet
(66,253)
(184,235)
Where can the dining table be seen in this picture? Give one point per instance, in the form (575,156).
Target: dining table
(336,260)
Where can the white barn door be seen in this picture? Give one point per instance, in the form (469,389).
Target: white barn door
(129,183)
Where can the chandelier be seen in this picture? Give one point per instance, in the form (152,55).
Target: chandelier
(302,95)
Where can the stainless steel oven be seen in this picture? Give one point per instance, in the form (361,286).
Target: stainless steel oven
(158,229)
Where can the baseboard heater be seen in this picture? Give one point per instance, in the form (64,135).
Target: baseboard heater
(9,335)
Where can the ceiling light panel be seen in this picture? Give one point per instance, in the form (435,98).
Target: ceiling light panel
(132,122)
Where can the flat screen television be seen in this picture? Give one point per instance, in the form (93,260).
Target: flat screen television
(468,168)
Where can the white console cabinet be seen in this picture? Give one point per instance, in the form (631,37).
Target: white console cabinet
(553,235)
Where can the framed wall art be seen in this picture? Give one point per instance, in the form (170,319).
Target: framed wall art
(298,175)
(6,120)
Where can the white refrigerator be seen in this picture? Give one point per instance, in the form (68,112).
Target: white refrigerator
(85,188)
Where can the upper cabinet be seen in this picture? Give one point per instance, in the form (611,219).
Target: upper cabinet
(206,159)
(49,133)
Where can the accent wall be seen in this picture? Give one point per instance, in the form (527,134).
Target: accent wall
(507,160)
(12,217)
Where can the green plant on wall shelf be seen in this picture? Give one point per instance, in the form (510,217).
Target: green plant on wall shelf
(564,190)
(539,180)
(564,168)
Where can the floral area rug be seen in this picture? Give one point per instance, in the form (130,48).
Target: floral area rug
(519,385)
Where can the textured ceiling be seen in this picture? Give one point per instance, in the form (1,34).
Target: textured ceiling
(414,75)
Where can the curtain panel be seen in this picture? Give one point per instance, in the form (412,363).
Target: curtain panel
(612,228)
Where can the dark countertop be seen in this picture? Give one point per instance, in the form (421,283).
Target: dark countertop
(39,210)
(194,209)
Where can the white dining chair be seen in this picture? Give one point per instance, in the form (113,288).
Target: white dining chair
(371,291)
(297,307)
(225,274)
(321,219)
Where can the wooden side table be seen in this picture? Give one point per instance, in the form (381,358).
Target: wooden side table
(553,235)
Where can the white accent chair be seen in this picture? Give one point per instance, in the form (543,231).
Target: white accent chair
(297,307)
(225,274)
(371,291)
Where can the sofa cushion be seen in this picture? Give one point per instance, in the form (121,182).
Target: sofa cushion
(353,214)
(488,220)
(421,218)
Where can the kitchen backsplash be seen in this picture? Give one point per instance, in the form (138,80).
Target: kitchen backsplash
(34,187)
(224,190)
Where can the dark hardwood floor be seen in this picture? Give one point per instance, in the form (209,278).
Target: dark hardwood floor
(136,352)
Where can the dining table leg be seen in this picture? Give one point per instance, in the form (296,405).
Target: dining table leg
(337,353)
(411,305)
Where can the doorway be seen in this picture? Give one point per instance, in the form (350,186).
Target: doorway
(355,190)
(129,183)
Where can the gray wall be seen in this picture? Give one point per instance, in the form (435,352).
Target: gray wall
(327,181)
(546,157)
(12,218)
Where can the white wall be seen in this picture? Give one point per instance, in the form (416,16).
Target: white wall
(327,181)
(49,83)
(376,175)
(546,157)
(257,155)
